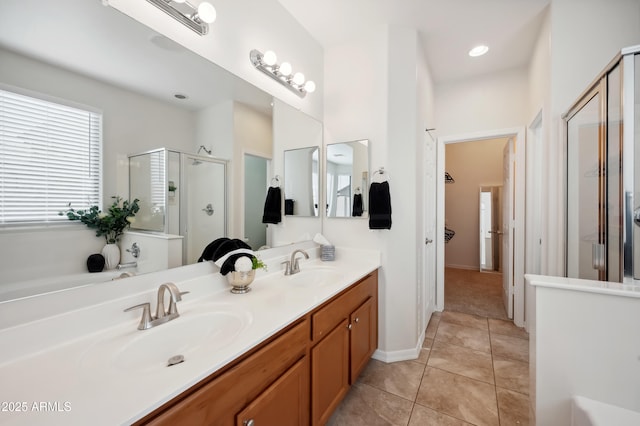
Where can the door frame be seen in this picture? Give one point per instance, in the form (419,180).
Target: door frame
(519,133)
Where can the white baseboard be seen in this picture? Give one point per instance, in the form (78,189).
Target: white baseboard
(467,267)
(401,355)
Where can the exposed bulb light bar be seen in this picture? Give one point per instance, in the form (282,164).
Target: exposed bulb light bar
(195,18)
(478,51)
(283,74)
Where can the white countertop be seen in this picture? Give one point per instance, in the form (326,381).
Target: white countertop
(60,370)
(589,286)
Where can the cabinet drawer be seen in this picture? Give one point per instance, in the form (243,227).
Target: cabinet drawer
(326,319)
(284,403)
(217,402)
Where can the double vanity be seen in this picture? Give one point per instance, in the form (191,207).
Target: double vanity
(290,347)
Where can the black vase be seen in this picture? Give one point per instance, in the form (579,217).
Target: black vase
(95,263)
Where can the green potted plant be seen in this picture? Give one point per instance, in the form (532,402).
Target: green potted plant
(110,224)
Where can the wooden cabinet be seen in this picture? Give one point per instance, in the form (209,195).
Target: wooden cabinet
(364,337)
(256,378)
(345,335)
(296,378)
(284,403)
(329,372)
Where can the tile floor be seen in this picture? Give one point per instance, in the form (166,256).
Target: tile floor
(472,370)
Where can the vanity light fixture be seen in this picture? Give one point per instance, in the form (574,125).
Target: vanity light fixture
(478,51)
(196,18)
(283,73)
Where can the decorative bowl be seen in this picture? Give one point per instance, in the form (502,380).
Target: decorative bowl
(240,281)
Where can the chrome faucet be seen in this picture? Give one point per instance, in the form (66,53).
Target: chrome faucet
(162,315)
(293,266)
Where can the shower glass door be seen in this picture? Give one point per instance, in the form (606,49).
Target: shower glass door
(203,218)
(586,255)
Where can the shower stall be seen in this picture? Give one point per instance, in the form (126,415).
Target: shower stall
(603,175)
(180,194)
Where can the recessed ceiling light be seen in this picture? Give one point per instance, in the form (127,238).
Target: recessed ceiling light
(478,50)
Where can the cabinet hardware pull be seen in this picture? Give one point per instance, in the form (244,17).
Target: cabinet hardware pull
(357,320)
(248,422)
(349,326)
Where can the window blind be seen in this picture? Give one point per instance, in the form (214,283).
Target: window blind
(49,157)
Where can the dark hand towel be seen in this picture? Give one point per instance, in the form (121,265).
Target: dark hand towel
(272,206)
(357,205)
(210,250)
(288,207)
(379,206)
(228,246)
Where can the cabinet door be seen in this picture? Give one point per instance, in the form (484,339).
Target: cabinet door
(284,403)
(363,341)
(329,373)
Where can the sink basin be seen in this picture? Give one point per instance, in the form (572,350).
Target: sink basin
(192,336)
(314,276)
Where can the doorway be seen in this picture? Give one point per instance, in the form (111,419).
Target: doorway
(469,256)
(256,171)
(490,220)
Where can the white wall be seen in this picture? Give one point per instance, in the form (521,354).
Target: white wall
(253,134)
(583,343)
(485,103)
(377,97)
(243,25)
(538,226)
(131,123)
(471,164)
(293,129)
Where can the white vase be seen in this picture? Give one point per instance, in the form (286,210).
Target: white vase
(111,253)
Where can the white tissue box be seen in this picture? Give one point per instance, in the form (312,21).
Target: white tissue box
(327,252)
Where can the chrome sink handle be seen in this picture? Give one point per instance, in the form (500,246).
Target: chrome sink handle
(145,320)
(287,267)
(173,307)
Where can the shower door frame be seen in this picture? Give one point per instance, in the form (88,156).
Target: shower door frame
(626,60)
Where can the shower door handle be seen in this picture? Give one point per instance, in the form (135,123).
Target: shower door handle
(598,257)
(208,209)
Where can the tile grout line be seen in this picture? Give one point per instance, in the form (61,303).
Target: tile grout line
(493,369)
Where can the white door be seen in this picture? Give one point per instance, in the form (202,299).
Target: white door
(430,248)
(508,221)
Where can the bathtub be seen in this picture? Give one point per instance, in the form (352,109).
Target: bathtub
(587,412)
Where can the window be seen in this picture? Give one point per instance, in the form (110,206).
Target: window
(49,157)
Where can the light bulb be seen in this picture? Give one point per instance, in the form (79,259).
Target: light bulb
(310,86)
(206,12)
(285,69)
(478,51)
(269,58)
(298,78)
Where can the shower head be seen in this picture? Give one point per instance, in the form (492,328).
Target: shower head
(208,151)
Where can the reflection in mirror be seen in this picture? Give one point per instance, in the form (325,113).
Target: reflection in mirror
(147,184)
(194,208)
(204,204)
(132,74)
(490,228)
(301,181)
(347,179)
(256,171)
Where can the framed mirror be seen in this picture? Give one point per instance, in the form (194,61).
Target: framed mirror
(152,93)
(347,179)
(301,181)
